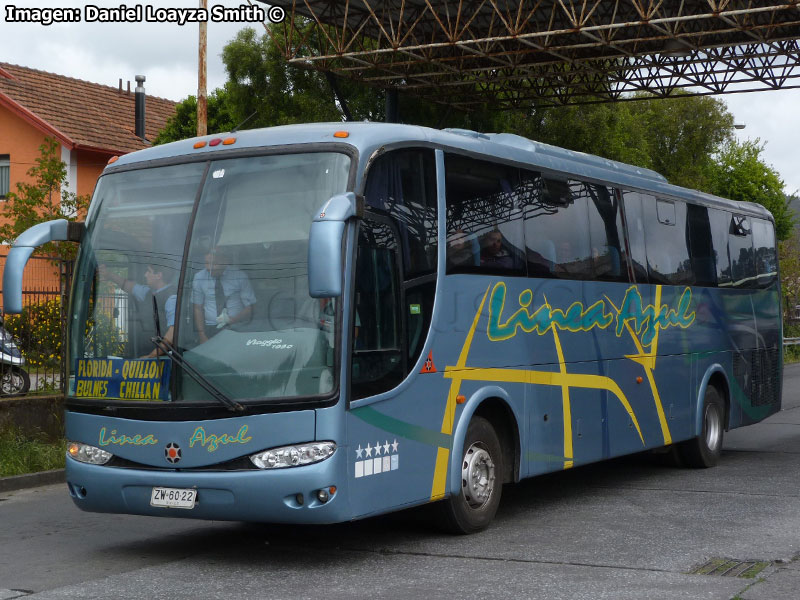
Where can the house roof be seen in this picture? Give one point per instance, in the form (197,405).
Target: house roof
(79,113)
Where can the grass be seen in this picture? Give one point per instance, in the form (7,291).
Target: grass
(791,354)
(21,454)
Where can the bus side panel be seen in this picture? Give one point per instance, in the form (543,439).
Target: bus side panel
(393,445)
(764,390)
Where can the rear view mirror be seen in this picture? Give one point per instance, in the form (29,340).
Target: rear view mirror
(325,264)
(25,244)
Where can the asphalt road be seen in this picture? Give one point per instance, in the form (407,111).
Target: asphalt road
(634,529)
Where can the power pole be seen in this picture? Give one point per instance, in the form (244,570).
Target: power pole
(202,100)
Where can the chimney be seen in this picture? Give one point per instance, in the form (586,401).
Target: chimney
(139,101)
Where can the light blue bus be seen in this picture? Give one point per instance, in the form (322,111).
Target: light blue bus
(319,323)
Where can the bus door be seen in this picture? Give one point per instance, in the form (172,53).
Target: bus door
(396,404)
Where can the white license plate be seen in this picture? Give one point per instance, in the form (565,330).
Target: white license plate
(173,497)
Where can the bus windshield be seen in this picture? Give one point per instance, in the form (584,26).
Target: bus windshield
(213,256)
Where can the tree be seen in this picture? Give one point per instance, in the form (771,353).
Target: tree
(683,135)
(789,258)
(183,124)
(43,200)
(739,173)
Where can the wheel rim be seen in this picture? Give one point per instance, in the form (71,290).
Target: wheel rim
(713,427)
(477,476)
(11,383)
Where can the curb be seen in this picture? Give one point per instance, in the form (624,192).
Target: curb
(31,480)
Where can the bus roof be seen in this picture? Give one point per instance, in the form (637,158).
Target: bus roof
(367,138)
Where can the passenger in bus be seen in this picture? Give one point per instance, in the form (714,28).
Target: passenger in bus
(221,294)
(494,253)
(462,250)
(158,284)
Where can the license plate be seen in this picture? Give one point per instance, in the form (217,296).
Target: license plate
(173,497)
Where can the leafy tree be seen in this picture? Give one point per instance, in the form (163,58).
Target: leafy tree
(739,173)
(183,124)
(607,130)
(43,200)
(789,258)
(683,135)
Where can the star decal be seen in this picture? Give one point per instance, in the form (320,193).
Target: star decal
(386,447)
(394,445)
(377,448)
(369,450)
(359,451)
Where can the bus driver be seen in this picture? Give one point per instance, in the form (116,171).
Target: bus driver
(221,295)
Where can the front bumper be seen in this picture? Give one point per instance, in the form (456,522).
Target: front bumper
(258,496)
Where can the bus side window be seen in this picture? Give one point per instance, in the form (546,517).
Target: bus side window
(701,245)
(635,231)
(552,218)
(377,345)
(740,248)
(605,234)
(719,221)
(484,217)
(765,256)
(668,260)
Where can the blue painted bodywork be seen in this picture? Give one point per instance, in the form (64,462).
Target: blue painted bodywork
(396,449)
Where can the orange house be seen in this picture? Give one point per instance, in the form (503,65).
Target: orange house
(91,123)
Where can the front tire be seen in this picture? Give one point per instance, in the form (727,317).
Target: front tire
(704,451)
(474,507)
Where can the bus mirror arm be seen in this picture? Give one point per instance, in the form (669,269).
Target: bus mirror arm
(51,231)
(325,260)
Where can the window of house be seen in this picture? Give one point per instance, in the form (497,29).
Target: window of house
(5,168)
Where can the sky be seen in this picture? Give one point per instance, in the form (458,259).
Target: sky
(166,53)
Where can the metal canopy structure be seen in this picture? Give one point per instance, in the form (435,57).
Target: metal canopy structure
(547,52)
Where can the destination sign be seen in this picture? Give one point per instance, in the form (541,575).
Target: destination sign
(122,379)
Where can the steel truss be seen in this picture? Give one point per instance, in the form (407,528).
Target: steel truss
(551,52)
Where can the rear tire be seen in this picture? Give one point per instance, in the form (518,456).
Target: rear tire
(704,450)
(474,507)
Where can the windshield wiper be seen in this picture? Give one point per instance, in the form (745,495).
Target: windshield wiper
(175,355)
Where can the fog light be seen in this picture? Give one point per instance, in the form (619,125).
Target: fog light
(323,496)
(299,499)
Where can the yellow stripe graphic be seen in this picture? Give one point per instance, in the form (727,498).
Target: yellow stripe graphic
(439,485)
(648,362)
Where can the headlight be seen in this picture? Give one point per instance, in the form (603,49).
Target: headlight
(88,454)
(293,456)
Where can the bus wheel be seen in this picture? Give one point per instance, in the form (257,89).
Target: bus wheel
(704,450)
(474,507)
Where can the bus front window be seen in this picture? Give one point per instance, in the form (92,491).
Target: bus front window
(228,272)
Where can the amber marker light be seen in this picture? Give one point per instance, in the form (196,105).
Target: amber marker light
(199,145)
(73,449)
(215,142)
(341,134)
(113,159)
(639,379)
(228,141)
(332,490)
(460,399)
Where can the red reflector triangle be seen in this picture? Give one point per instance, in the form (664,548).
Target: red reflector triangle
(429,367)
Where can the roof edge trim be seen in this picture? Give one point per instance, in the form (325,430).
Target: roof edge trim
(35,120)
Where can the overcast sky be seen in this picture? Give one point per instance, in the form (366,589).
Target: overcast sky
(167,55)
